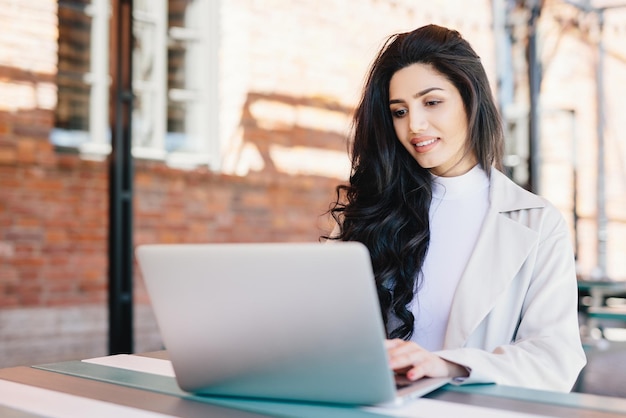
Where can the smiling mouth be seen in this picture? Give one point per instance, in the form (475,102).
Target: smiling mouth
(425,143)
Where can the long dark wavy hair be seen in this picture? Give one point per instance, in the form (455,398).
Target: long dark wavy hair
(385,204)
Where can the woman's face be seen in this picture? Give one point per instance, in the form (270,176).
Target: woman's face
(430,120)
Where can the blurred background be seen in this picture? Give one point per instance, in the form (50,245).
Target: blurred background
(168,121)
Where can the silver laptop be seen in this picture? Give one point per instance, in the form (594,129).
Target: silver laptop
(292,321)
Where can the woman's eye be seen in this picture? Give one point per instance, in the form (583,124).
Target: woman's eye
(399,113)
(432,102)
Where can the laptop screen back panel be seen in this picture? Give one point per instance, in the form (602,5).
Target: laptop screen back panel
(286,321)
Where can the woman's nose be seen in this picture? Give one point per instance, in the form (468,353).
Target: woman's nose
(417,121)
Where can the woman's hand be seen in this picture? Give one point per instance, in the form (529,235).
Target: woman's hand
(408,358)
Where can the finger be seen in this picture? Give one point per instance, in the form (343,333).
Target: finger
(429,366)
(406,356)
(393,343)
(417,371)
(398,347)
(405,352)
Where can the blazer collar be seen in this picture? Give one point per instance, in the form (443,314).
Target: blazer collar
(506,196)
(502,247)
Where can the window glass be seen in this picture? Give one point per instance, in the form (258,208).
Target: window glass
(179,97)
(146,83)
(74,51)
(172,71)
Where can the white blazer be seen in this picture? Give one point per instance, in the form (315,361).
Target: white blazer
(514,317)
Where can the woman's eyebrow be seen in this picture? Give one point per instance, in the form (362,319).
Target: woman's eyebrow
(416,95)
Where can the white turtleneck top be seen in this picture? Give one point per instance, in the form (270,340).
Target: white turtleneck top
(457,211)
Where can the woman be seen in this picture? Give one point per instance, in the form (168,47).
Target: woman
(475,275)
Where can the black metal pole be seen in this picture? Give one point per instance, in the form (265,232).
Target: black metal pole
(120,185)
(534,81)
(575,215)
(602,235)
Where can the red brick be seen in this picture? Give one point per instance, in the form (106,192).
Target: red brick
(56,235)
(5,128)
(29,295)
(8,155)
(23,235)
(28,261)
(26,151)
(61,286)
(8,301)
(48,184)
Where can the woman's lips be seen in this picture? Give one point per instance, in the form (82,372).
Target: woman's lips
(424,144)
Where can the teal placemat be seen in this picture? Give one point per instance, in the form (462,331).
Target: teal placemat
(570,400)
(168,386)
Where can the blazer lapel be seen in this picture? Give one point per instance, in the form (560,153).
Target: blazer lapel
(501,249)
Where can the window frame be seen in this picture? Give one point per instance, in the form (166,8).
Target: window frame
(201,135)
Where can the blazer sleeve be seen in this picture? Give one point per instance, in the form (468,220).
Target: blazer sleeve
(544,350)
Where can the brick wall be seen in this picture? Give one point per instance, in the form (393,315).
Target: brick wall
(291,72)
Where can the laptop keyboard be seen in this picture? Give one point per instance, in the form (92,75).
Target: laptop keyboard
(402,381)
